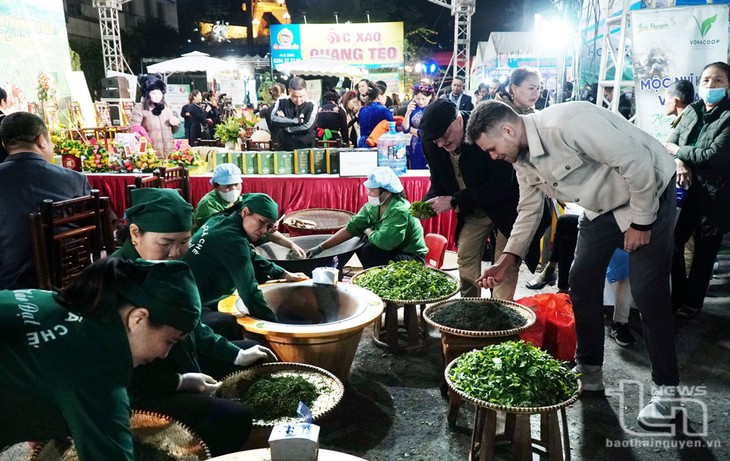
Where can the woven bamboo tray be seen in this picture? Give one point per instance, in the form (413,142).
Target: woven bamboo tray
(148,427)
(327,401)
(507,408)
(327,220)
(525,312)
(413,301)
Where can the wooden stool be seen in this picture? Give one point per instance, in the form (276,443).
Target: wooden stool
(517,431)
(387,331)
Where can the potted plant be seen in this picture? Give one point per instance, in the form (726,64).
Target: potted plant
(227,132)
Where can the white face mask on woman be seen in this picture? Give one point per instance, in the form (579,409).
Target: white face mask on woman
(230,196)
(374,201)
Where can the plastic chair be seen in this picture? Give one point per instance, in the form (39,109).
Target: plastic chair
(436,244)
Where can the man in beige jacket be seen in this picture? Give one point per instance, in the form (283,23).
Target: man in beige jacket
(623,178)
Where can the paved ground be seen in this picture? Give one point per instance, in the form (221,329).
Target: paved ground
(393,409)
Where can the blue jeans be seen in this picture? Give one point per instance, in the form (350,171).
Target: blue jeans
(649,275)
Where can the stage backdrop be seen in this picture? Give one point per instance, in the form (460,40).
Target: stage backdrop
(34,51)
(673,44)
(372,45)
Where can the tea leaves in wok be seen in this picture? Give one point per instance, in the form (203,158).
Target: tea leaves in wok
(477,316)
(406,280)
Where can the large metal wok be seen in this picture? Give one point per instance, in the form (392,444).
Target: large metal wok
(278,254)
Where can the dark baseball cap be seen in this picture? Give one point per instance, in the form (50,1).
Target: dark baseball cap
(436,119)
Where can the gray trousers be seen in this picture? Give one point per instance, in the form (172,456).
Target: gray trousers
(649,270)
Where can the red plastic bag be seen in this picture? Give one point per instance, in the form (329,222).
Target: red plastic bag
(560,338)
(536,333)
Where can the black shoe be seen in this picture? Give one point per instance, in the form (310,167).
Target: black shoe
(539,282)
(622,334)
(686,312)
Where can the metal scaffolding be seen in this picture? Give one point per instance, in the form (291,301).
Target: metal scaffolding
(111,43)
(462,11)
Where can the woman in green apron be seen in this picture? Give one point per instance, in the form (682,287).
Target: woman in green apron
(67,357)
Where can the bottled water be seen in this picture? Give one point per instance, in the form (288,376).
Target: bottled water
(392,150)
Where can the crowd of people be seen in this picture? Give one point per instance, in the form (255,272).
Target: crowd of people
(142,324)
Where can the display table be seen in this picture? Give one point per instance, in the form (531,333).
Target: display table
(294,192)
(262,454)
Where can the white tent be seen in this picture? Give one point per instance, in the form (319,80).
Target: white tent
(192,62)
(319,67)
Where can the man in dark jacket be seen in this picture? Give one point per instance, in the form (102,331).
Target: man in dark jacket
(27,178)
(295,116)
(483,192)
(457,96)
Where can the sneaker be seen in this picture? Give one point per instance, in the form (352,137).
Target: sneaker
(591,381)
(662,410)
(622,334)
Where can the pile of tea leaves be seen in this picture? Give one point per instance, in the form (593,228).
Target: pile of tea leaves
(292,255)
(405,280)
(422,210)
(273,397)
(462,314)
(514,373)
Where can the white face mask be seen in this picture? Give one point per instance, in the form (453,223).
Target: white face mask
(374,201)
(230,196)
(155,96)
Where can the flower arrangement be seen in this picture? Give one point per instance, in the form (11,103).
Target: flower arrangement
(67,146)
(227,130)
(248,118)
(44,87)
(96,158)
(146,161)
(183,157)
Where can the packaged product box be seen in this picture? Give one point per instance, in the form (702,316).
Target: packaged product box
(333,161)
(266,162)
(301,161)
(234,157)
(249,163)
(222,157)
(283,162)
(318,161)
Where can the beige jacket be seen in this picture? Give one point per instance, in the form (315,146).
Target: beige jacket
(159,128)
(587,155)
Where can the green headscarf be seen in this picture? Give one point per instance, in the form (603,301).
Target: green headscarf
(160,210)
(261,204)
(167,289)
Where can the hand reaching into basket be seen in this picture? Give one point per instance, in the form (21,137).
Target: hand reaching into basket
(298,250)
(198,382)
(253,354)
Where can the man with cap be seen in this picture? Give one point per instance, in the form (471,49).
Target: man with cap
(67,357)
(393,233)
(227,186)
(222,259)
(483,192)
(27,177)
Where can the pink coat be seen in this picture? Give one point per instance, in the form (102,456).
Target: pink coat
(159,128)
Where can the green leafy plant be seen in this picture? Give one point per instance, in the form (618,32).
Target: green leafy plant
(422,210)
(406,280)
(227,131)
(514,373)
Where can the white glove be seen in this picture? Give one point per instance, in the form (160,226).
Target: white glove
(248,356)
(198,382)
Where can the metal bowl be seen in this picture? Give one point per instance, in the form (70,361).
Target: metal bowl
(278,254)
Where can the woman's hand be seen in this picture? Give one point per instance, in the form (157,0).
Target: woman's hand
(295,277)
(411,106)
(299,250)
(368,231)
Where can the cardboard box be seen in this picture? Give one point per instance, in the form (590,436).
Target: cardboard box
(283,162)
(266,162)
(301,161)
(249,163)
(333,161)
(294,442)
(234,157)
(222,157)
(318,161)
(358,162)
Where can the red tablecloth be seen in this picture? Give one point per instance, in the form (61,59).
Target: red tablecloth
(292,193)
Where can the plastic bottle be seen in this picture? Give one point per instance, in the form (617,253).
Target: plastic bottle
(399,160)
(386,142)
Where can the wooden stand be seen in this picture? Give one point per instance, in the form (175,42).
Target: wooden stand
(411,335)
(517,431)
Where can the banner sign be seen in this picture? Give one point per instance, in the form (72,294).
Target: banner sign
(371,45)
(34,52)
(673,44)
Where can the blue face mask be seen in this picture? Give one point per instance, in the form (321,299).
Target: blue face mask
(712,95)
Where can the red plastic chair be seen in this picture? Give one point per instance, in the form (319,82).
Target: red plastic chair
(436,244)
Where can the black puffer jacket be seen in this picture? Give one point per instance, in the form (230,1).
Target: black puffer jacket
(709,159)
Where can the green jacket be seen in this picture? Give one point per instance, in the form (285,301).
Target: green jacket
(210,204)
(709,159)
(162,376)
(221,259)
(397,229)
(77,366)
